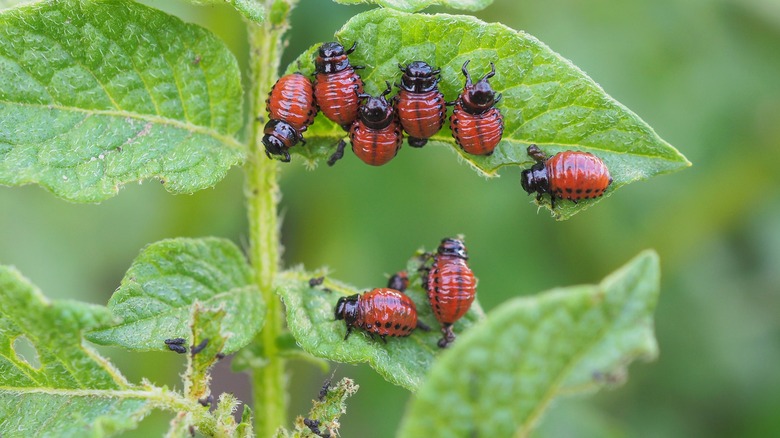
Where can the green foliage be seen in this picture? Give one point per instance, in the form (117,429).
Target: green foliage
(208,342)
(279,11)
(244,428)
(250,9)
(167,279)
(418,5)
(500,376)
(94,95)
(326,412)
(10,3)
(546,100)
(402,361)
(63,381)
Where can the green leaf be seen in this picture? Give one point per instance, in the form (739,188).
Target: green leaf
(4,4)
(546,100)
(208,341)
(325,412)
(245,428)
(250,9)
(58,386)
(279,12)
(402,361)
(94,95)
(418,5)
(500,376)
(155,298)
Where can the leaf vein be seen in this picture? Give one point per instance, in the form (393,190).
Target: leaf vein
(155,119)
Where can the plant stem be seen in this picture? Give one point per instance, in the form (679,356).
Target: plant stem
(262,193)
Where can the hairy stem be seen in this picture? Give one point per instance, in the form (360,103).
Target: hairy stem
(262,193)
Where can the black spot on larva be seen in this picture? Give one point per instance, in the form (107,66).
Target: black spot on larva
(378,324)
(588,190)
(405,328)
(568,189)
(397,326)
(578,191)
(388,324)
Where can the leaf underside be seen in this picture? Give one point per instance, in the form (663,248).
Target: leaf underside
(94,95)
(546,100)
(501,375)
(156,296)
(418,5)
(402,361)
(69,390)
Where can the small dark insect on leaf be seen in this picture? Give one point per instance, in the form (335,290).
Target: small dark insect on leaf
(177,348)
(327,290)
(198,348)
(316,281)
(192,430)
(206,401)
(314,426)
(324,390)
(176,344)
(220,356)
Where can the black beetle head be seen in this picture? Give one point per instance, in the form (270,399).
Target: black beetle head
(377,112)
(480,97)
(330,50)
(419,77)
(346,309)
(535,179)
(279,136)
(453,247)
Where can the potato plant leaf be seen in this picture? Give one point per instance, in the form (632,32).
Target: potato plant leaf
(94,95)
(208,341)
(250,9)
(402,361)
(4,4)
(499,376)
(167,279)
(418,5)
(324,414)
(51,383)
(546,99)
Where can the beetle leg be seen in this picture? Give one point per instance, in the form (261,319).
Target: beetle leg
(448,337)
(339,154)
(423,326)
(424,277)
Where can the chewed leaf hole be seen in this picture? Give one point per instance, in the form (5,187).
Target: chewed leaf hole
(26,352)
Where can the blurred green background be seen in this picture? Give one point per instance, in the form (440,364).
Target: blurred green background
(704,73)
